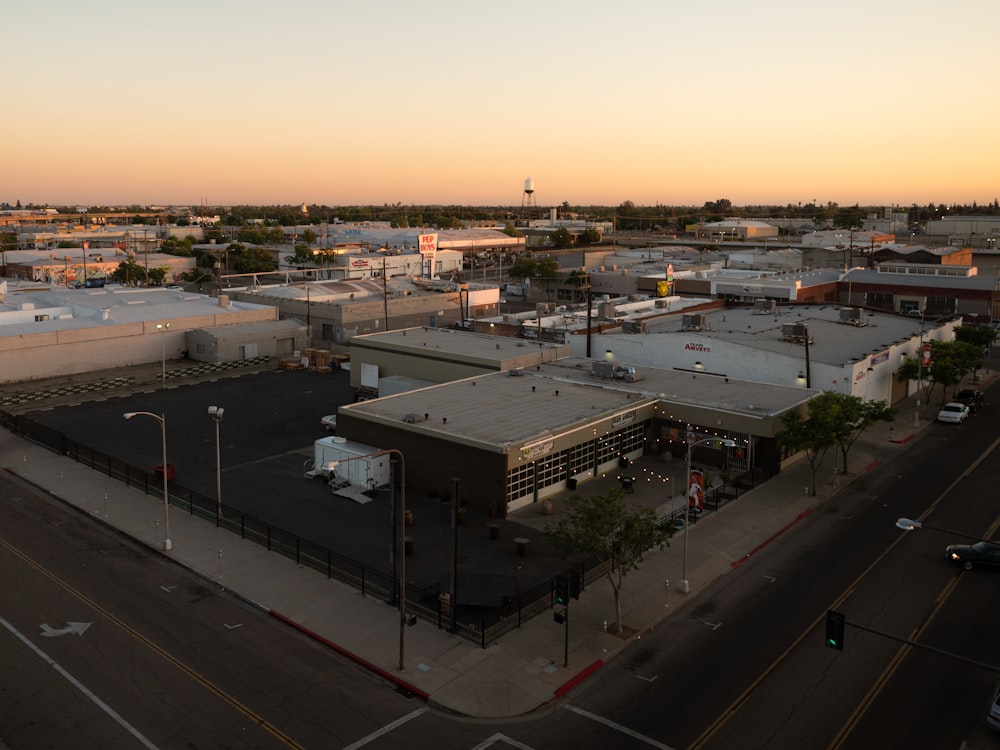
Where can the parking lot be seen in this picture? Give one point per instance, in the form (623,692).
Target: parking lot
(271,419)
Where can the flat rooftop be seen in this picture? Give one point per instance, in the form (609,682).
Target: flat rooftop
(830,341)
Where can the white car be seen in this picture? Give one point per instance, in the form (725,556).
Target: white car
(329,422)
(953,412)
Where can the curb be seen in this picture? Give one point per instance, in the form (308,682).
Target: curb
(384,674)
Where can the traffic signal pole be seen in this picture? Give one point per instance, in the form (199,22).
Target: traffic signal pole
(982,665)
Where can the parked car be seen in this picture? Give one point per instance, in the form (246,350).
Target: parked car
(954,412)
(329,423)
(970,397)
(978,555)
(993,715)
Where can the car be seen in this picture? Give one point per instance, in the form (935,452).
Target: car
(993,715)
(971,398)
(954,412)
(979,555)
(329,422)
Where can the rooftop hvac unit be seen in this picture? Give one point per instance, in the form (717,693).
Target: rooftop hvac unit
(794,331)
(694,322)
(545,308)
(854,316)
(633,326)
(661,304)
(764,306)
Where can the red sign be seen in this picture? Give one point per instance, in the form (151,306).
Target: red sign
(696,489)
(925,355)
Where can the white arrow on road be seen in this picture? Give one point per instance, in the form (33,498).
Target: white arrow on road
(77,628)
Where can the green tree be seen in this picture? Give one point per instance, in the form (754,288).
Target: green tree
(590,236)
(511,231)
(251,260)
(603,526)
(308,236)
(524,267)
(561,238)
(809,435)
(847,417)
(950,362)
(129,273)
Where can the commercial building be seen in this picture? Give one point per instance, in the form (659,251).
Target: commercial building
(513,436)
(54,331)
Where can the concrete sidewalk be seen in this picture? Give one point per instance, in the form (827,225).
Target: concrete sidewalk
(524,670)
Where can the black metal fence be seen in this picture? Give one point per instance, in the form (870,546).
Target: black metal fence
(480,627)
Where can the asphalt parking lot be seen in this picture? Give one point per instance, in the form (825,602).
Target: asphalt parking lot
(271,421)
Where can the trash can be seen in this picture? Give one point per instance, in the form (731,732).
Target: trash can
(521,545)
(158,470)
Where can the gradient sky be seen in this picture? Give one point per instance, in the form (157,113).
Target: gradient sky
(448,102)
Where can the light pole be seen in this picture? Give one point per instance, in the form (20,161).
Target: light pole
(909,524)
(216,412)
(162,419)
(162,328)
(687,509)
(401,549)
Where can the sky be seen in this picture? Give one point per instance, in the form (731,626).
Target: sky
(873,102)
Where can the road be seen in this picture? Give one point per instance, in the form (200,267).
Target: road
(165,659)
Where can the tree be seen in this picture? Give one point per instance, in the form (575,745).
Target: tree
(847,417)
(129,273)
(511,231)
(810,436)
(308,236)
(950,362)
(603,526)
(561,238)
(523,268)
(590,236)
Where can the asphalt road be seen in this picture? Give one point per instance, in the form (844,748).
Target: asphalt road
(164,658)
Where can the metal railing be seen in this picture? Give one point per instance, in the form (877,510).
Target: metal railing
(484,628)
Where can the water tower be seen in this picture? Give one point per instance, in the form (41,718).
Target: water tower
(528,203)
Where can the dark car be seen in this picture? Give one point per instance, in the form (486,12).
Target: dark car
(978,555)
(971,398)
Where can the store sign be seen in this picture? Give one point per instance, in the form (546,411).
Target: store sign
(879,358)
(692,347)
(620,420)
(537,450)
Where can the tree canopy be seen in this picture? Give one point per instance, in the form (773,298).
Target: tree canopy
(605,527)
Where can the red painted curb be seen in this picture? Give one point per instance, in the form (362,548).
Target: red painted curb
(905,440)
(573,682)
(759,547)
(873,464)
(423,695)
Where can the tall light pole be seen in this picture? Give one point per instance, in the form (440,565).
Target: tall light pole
(909,524)
(401,549)
(162,419)
(162,328)
(216,412)
(687,508)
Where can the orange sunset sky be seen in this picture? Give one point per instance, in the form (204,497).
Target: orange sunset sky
(448,102)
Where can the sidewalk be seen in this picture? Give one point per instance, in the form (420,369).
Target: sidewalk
(524,670)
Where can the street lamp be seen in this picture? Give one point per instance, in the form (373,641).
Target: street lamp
(216,412)
(687,509)
(162,328)
(401,549)
(908,524)
(162,419)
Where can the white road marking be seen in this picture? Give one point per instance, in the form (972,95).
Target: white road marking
(619,728)
(386,729)
(490,741)
(79,686)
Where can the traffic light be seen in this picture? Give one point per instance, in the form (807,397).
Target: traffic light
(562,589)
(574,583)
(835,630)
